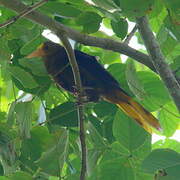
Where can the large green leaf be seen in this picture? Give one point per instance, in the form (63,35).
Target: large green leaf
(134,83)
(127,132)
(60,8)
(64,115)
(52,161)
(169,119)
(103,109)
(90,21)
(118,168)
(167,143)
(155,92)
(95,137)
(32,148)
(24,118)
(161,159)
(120,28)
(107,4)
(31,45)
(4,50)
(25,78)
(118,71)
(135,8)
(35,65)
(20,175)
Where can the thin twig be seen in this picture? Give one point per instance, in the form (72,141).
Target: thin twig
(158,60)
(55,26)
(23,13)
(130,35)
(80,109)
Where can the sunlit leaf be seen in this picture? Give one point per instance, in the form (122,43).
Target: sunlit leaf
(56,155)
(120,28)
(127,132)
(169,119)
(90,21)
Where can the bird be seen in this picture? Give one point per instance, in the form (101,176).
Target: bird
(96,81)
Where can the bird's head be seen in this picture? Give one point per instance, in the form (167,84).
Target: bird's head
(45,49)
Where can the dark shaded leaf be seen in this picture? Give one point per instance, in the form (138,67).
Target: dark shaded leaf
(64,115)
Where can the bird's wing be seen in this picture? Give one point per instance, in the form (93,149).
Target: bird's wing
(90,64)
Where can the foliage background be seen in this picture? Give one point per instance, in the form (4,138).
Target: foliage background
(38,121)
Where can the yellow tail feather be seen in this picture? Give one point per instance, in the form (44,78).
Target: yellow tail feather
(133,109)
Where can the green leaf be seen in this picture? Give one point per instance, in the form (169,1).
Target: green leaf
(156,94)
(169,118)
(92,159)
(109,57)
(20,175)
(118,71)
(173,27)
(31,45)
(8,151)
(135,8)
(36,66)
(17,31)
(64,115)
(90,21)
(61,8)
(54,96)
(28,154)
(11,114)
(175,66)
(127,132)
(52,161)
(4,178)
(95,137)
(4,50)
(118,148)
(116,169)
(167,42)
(120,27)
(173,7)
(107,4)
(167,143)
(173,172)
(24,118)
(144,150)
(161,159)
(104,108)
(134,83)
(24,77)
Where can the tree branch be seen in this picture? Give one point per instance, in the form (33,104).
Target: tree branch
(55,26)
(131,34)
(158,60)
(23,13)
(80,109)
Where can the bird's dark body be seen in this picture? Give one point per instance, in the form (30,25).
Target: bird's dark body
(95,79)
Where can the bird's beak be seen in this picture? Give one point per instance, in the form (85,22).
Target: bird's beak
(37,53)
